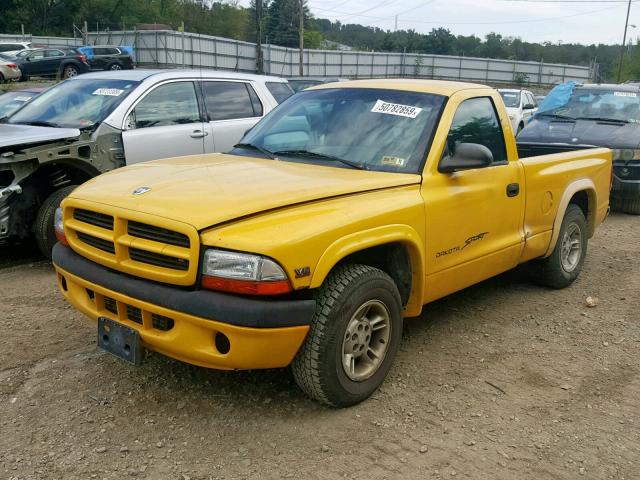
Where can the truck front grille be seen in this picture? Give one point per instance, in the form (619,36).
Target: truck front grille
(168,255)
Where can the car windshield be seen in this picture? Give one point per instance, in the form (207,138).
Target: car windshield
(600,104)
(12,101)
(75,103)
(373,129)
(511,99)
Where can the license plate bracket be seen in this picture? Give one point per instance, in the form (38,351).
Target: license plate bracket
(120,340)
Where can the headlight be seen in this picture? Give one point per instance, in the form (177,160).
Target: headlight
(243,273)
(58,227)
(626,154)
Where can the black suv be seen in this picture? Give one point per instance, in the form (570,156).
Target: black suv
(51,62)
(105,57)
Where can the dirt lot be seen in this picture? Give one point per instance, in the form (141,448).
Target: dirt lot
(504,380)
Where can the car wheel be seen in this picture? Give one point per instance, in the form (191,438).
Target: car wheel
(2,79)
(70,71)
(631,206)
(354,336)
(563,266)
(115,66)
(43,227)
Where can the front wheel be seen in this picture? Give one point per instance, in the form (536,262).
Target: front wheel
(354,336)
(70,71)
(115,66)
(43,227)
(562,267)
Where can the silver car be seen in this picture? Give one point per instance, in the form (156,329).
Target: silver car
(101,121)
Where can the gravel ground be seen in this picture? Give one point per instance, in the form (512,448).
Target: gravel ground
(504,380)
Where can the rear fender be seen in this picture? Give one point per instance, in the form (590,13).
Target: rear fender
(587,186)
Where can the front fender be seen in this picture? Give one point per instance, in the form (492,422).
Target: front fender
(374,237)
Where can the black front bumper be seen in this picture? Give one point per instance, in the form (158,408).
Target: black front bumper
(222,307)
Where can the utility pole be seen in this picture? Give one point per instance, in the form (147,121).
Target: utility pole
(301,32)
(624,42)
(259,58)
(395,25)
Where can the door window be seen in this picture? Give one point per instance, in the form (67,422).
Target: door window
(170,104)
(37,55)
(230,100)
(476,121)
(280,91)
(53,53)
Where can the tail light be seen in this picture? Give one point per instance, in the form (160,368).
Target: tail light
(82,58)
(12,65)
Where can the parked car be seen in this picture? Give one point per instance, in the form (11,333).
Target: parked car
(339,214)
(12,101)
(521,106)
(12,48)
(52,62)
(104,120)
(300,83)
(9,70)
(106,57)
(596,114)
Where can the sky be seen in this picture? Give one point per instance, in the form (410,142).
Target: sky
(566,21)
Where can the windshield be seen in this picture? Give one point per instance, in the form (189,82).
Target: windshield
(600,104)
(12,101)
(511,99)
(373,129)
(75,104)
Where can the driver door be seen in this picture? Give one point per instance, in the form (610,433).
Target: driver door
(165,123)
(473,217)
(34,63)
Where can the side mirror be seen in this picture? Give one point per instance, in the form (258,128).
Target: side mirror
(467,156)
(529,106)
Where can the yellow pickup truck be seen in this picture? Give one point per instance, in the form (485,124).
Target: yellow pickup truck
(346,209)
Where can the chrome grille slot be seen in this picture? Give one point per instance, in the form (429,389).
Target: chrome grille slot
(134,314)
(110,305)
(158,234)
(94,218)
(158,259)
(160,322)
(95,242)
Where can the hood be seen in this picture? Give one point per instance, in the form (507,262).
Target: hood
(14,135)
(581,132)
(205,190)
(512,111)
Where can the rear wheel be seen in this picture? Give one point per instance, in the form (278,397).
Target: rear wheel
(563,266)
(353,339)
(631,206)
(43,227)
(70,71)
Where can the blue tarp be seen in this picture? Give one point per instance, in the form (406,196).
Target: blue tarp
(557,97)
(88,50)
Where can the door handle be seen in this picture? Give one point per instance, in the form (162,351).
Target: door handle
(513,189)
(198,134)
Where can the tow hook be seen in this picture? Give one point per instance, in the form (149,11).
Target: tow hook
(9,190)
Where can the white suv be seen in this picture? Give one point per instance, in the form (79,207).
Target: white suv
(13,48)
(521,106)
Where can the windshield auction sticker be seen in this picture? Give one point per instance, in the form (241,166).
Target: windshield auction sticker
(625,94)
(109,92)
(396,109)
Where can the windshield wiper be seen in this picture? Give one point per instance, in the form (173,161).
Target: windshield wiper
(604,119)
(258,148)
(322,156)
(41,124)
(555,115)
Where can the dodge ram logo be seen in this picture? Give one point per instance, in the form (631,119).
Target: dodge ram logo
(141,190)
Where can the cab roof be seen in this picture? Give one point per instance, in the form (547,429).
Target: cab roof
(437,87)
(141,74)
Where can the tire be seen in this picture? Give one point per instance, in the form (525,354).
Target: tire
(563,266)
(70,71)
(318,367)
(631,206)
(114,67)
(43,226)
(2,79)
